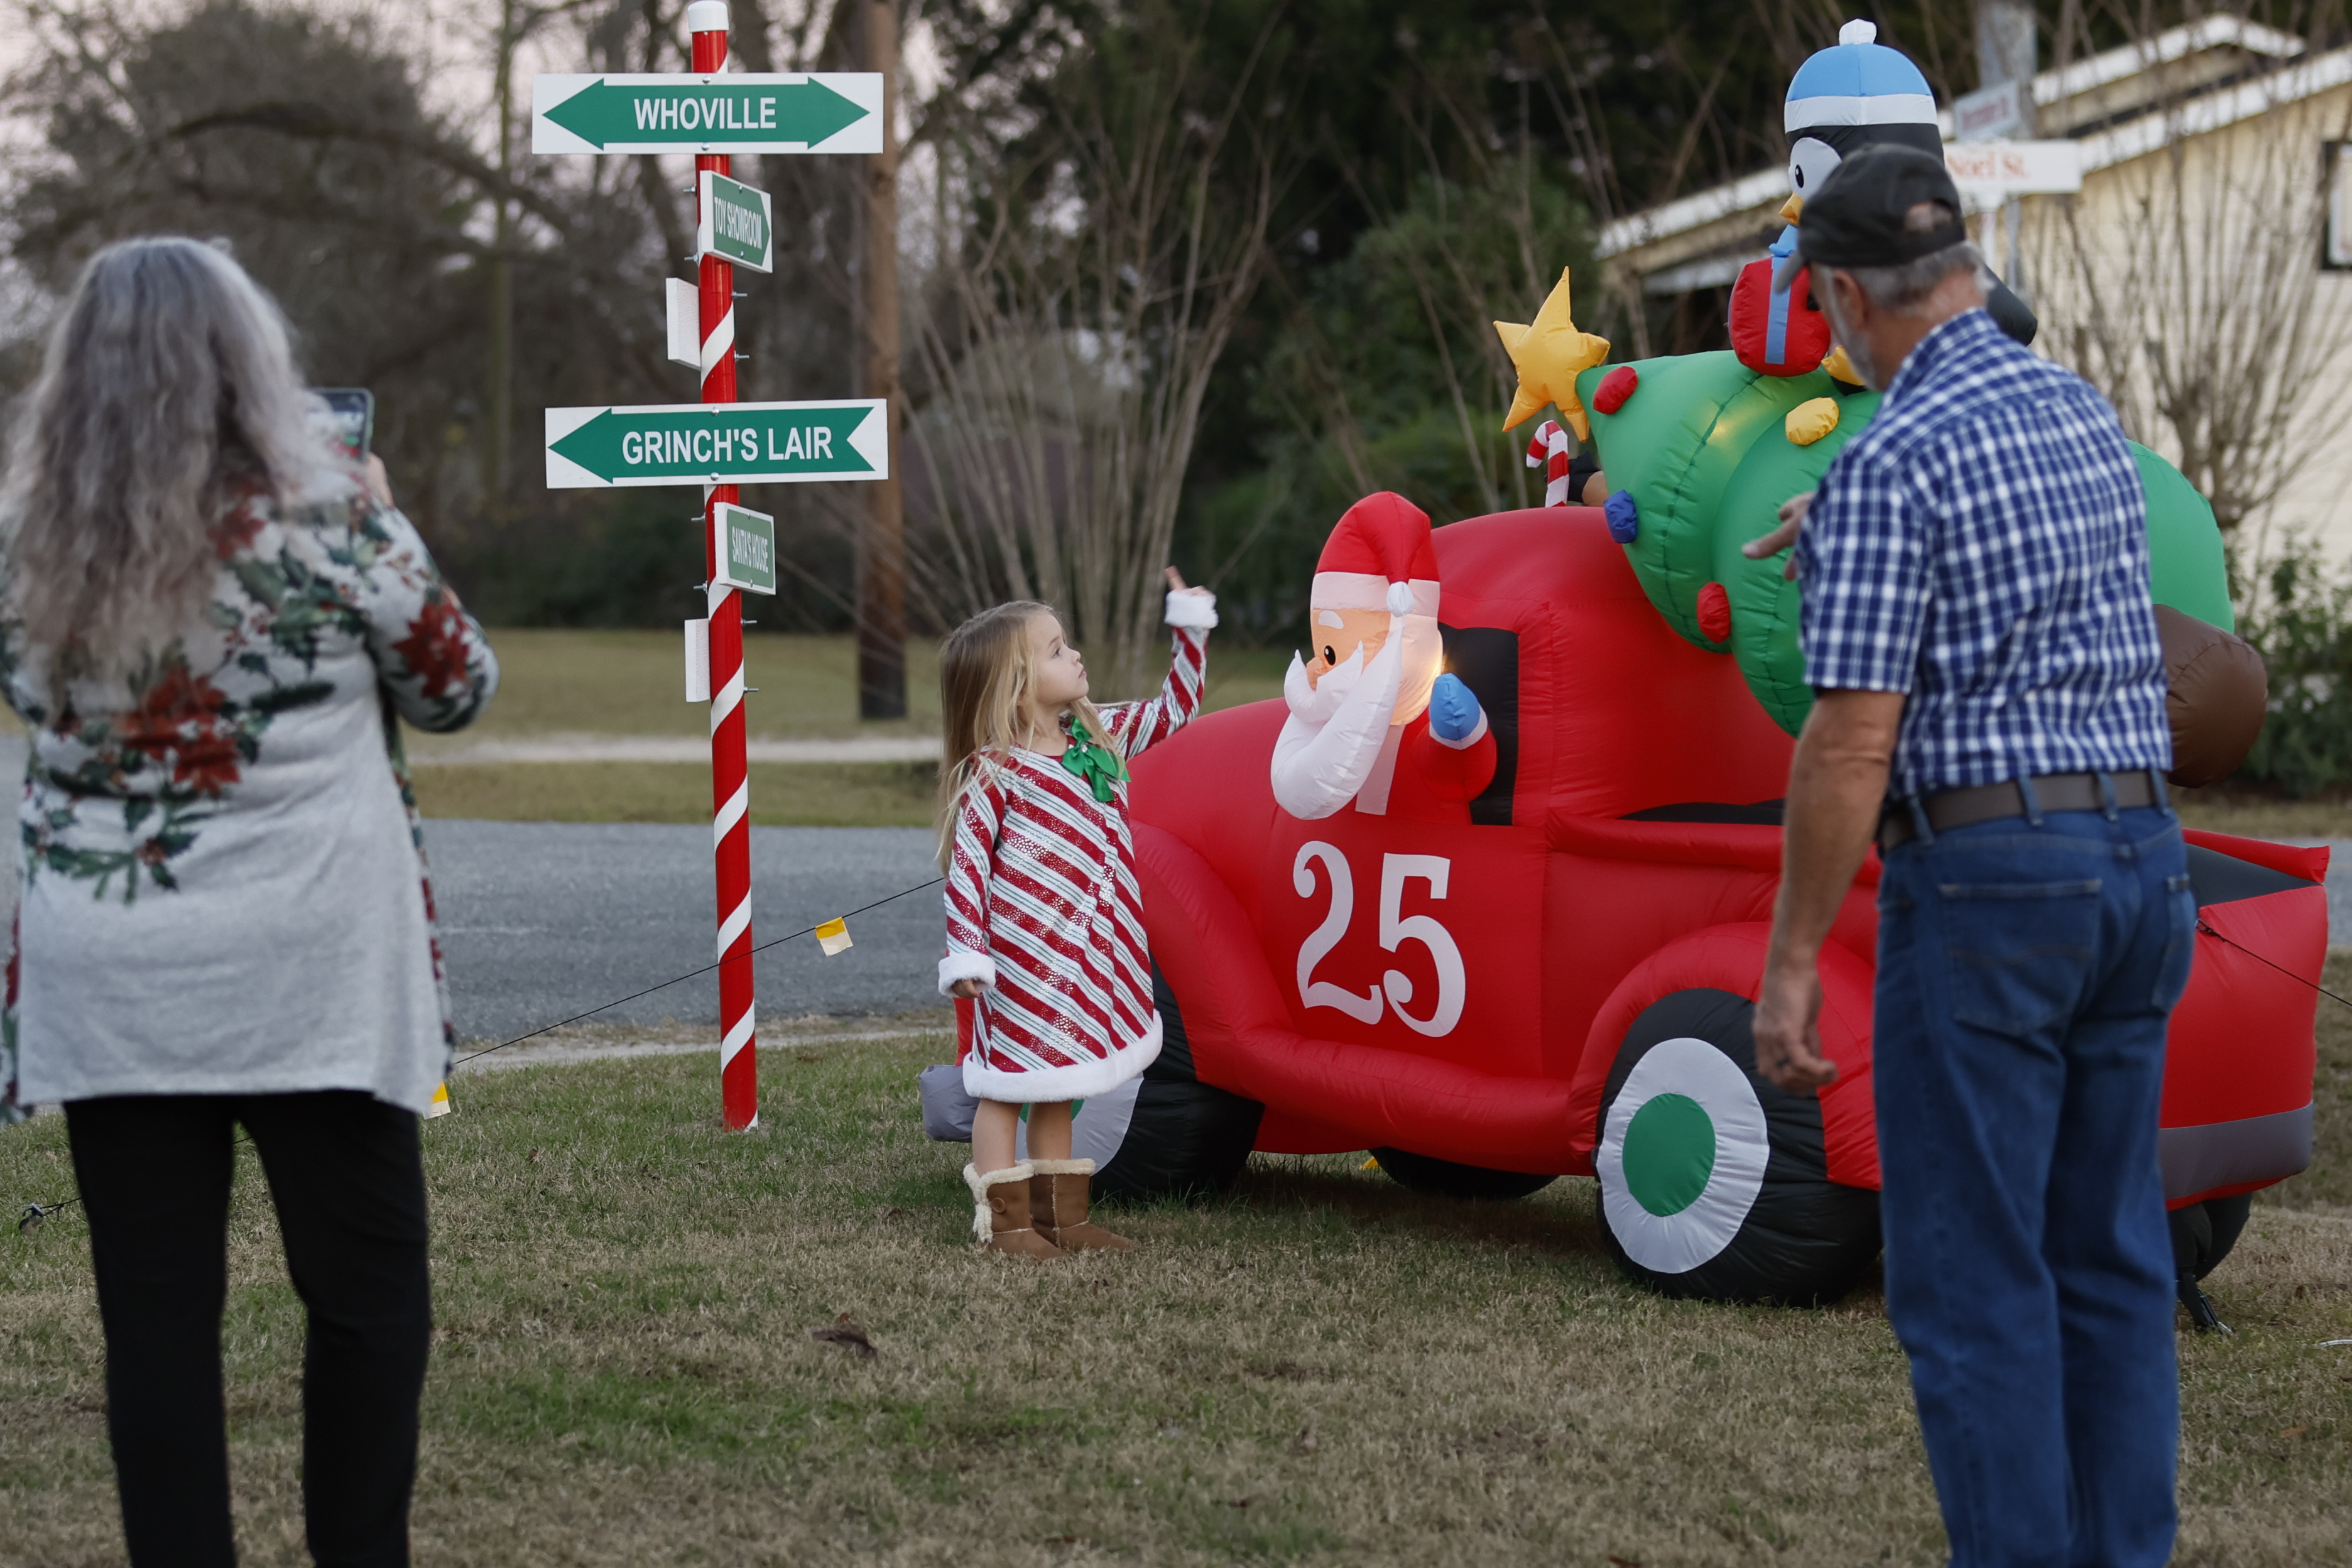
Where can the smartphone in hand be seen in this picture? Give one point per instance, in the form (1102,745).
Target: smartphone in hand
(351,420)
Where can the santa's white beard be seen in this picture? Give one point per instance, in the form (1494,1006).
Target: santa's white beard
(1339,727)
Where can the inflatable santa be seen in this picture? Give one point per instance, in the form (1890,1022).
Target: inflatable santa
(1374,721)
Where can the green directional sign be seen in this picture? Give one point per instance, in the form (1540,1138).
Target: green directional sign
(736,223)
(747,557)
(717,443)
(721,112)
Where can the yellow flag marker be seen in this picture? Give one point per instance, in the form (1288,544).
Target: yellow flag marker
(1549,354)
(834,937)
(442,1105)
(1810,421)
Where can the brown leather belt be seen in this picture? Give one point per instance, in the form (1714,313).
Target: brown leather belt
(1991,803)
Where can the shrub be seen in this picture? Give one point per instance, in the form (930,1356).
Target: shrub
(2302,626)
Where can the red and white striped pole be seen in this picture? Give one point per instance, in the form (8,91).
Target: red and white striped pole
(730,794)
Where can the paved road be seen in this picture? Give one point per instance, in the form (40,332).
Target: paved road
(541,920)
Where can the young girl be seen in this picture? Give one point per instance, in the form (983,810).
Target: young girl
(1045,950)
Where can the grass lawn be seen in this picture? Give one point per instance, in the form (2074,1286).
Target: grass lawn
(1318,1368)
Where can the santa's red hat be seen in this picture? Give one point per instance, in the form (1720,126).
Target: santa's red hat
(1380,557)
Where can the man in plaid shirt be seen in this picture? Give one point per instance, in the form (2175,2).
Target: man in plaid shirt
(1990,704)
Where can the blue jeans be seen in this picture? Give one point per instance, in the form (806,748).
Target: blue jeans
(2025,972)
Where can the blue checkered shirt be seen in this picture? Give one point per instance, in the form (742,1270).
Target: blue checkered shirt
(1983,547)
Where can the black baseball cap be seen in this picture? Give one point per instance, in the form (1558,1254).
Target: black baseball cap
(1856,218)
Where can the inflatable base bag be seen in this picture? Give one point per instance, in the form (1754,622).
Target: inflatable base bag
(1161,1135)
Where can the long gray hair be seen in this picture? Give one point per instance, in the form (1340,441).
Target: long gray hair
(167,369)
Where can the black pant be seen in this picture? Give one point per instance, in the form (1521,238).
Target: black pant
(346,1176)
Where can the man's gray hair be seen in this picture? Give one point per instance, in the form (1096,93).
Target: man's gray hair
(168,371)
(1904,287)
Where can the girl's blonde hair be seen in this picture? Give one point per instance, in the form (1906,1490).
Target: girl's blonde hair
(984,680)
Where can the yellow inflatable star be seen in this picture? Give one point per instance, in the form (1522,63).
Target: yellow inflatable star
(1550,354)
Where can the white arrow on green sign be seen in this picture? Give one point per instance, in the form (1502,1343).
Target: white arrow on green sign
(834,112)
(717,443)
(748,559)
(736,223)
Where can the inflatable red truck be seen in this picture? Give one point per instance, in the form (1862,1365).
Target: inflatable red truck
(1559,982)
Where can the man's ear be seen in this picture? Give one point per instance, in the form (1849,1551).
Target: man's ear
(1854,305)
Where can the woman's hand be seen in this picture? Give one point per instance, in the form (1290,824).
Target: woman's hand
(1176,583)
(969,990)
(379,482)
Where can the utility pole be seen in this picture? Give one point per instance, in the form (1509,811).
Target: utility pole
(882,532)
(2006,53)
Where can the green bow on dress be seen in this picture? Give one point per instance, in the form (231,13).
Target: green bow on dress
(1099,766)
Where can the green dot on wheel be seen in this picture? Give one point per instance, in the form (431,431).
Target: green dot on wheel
(1669,1153)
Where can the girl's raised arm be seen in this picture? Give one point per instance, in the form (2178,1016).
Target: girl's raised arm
(1133,726)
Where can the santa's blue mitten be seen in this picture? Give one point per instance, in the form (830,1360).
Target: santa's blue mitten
(1453,712)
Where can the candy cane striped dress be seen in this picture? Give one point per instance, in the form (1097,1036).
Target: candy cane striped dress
(1044,908)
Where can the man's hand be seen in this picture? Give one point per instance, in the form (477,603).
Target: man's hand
(969,990)
(1793,518)
(1837,780)
(1787,1028)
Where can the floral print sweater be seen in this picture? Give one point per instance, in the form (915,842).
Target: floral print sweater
(224,879)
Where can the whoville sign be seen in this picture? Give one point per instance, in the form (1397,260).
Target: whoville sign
(717,443)
(718,112)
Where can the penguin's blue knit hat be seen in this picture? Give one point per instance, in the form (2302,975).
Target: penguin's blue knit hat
(1858,82)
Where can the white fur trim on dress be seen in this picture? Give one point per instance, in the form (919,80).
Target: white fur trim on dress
(960,965)
(1197,611)
(1370,591)
(983,1224)
(1478,733)
(1080,1080)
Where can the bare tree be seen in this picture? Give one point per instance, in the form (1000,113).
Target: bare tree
(1080,293)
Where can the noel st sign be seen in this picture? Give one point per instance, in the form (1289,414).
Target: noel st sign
(716,113)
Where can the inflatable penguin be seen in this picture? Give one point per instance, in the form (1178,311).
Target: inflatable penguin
(1858,93)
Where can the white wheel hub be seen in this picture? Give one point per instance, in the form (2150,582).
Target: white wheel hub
(1682,1155)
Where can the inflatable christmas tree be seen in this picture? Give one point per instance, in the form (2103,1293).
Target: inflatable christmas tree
(1699,452)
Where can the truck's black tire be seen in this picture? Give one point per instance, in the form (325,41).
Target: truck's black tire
(2203,1234)
(1437,1178)
(1188,1139)
(1714,1182)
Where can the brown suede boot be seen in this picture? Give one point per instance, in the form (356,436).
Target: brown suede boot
(1000,1216)
(1058,1207)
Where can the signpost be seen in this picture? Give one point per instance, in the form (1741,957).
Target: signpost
(718,443)
(737,223)
(1991,113)
(737,444)
(749,562)
(1991,171)
(706,112)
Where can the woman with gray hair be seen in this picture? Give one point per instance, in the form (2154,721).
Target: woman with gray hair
(212,628)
